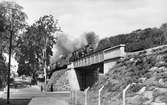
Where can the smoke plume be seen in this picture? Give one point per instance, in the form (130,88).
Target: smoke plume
(65,45)
(92,38)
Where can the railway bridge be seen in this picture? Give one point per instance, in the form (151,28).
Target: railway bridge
(85,71)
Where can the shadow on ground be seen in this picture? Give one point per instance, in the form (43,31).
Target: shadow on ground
(15,102)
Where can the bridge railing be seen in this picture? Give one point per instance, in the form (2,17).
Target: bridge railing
(89,60)
(97,57)
(114,52)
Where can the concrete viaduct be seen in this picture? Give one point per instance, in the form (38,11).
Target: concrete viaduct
(85,71)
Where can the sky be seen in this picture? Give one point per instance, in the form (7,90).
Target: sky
(104,17)
(14,63)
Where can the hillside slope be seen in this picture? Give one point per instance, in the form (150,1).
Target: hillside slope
(60,81)
(147,68)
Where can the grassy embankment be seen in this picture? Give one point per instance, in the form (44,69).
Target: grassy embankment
(147,68)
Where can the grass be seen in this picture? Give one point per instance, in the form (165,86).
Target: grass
(15,102)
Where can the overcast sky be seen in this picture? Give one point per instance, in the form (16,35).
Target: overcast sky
(104,17)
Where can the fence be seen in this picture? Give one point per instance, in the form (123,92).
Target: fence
(86,97)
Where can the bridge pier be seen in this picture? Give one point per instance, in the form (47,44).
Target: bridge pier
(87,76)
(72,77)
(84,77)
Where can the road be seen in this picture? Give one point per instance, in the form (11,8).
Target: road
(38,97)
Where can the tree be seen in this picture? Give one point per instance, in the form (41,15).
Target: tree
(2,23)
(3,71)
(46,27)
(164,29)
(12,18)
(32,43)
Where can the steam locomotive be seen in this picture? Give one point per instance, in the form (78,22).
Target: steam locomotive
(65,60)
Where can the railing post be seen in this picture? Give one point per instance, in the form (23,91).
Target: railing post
(99,101)
(72,97)
(75,95)
(124,93)
(86,95)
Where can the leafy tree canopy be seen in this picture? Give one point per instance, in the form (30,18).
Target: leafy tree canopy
(37,37)
(12,18)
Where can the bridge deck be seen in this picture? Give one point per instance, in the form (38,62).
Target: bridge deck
(102,56)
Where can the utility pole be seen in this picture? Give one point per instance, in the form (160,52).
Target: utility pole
(10,49)
(9,63)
